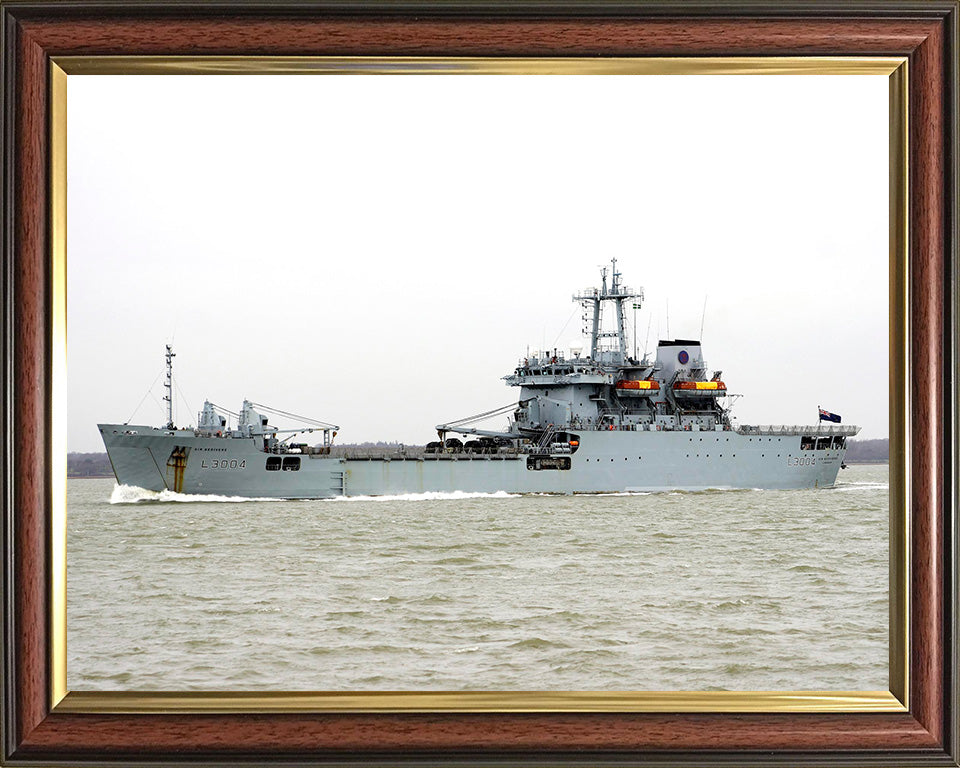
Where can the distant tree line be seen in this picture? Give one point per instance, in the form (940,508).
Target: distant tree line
(88,465)
(867,451)
(380,448)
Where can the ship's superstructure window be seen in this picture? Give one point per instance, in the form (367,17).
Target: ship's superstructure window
(807,443)
(291,463)
(273,463)
(839,441)
(823,443)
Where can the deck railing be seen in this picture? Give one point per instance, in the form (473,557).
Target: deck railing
(794,429)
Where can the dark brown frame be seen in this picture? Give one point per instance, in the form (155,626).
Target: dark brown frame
(925,32)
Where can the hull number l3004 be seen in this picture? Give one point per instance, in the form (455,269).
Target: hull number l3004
(223,464)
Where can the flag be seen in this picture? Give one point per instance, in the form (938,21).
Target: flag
(827,416)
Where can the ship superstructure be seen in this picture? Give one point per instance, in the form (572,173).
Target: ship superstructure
(601,422)
(611,390)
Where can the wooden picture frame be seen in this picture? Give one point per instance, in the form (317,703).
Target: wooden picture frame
(38,730)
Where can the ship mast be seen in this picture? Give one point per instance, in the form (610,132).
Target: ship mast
(168,385)
(592,300)
(620,317)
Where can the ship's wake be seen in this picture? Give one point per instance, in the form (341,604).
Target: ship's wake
(432,496)
(861,486)
(131,494)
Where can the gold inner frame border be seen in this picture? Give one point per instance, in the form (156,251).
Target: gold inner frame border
(136,702)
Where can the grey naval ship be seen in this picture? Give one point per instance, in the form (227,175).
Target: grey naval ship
(598,423)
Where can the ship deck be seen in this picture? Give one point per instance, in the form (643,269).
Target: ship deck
(437,457)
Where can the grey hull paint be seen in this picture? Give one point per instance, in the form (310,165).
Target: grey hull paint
(605,462)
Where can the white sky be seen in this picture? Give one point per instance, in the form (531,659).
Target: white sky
(377,251)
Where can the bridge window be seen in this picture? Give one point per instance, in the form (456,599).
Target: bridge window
(823,443)
(273,463)
(839,441)
(807,443)
(291,463)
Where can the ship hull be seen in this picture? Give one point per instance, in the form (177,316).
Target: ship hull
(605,462)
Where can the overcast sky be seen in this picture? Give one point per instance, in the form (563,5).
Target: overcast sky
(377,251)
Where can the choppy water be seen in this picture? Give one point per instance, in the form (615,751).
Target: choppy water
(750,590)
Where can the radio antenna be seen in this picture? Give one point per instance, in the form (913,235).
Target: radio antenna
(702,316)
(647,340)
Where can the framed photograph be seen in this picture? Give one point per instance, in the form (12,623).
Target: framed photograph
(602,76)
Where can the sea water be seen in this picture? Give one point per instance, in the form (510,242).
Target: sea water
(738,590)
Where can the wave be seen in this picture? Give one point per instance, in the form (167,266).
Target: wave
(431,496)
(605,493)
(861,487)
(538,644)
(131,494)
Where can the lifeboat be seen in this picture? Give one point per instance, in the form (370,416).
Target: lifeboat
(685,389)
(637,387)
